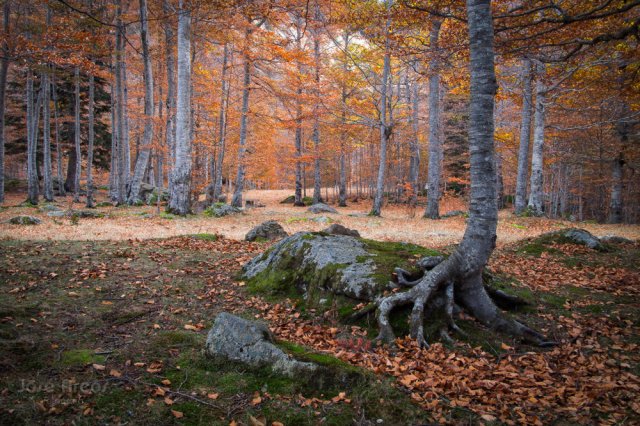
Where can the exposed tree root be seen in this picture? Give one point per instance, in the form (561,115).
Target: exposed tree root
(443,285)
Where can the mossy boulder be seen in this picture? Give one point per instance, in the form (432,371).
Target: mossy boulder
(25,220)
(319,268)
(221,210)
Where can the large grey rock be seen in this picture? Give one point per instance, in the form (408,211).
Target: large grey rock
(584,237)
(337,229)
(269,230)
(220,210)
(25,220)
(321,208)
(615,239)
(339,264)
(236,339)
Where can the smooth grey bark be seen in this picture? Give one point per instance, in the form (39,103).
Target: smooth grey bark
(385,129)
(180,195)
(525,137)
(616,206)
(315,136)
(461,273)
(90,142)
(144,153)
(46,139)
(342,191)
(33,191)
(298,145)
(4,71)
(76,134)
(120,112)
(170,127)
(434,171)
(61,190)
(222,130)
(237,194)
(536,202)
(413,93)
(113,170)
(126,143)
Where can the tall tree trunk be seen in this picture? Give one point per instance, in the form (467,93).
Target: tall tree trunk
(60,188)
(113,170)
(315,136)
(145,148)
(435,144)
(342,196)
(525,136)
(536,202)
(170,127)
(91,136)
(33,190)
(126,143)
(236,201)
(120,112)
(180,195)
(46,140)
(617,174)
(76,134)
(414,162)
(385,129)
(298,144)
(460,275)
(222,130)
(4,70)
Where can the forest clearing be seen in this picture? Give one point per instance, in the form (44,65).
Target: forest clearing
(319,212)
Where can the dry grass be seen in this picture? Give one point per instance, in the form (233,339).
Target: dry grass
(397,224)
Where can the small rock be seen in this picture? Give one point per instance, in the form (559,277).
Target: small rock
(25,220)
(337,229)
(236,339)
(49,208)
(321,208)
(57,213)
(584,237)
(453,213)
(269,230)
(289,200)
(220,210)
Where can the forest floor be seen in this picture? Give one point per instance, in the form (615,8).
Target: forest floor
(104,321)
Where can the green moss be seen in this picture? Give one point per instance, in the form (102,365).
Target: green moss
(167,215)
(296,219)
(206,237)
(80,357)
(307,201)
(175,339)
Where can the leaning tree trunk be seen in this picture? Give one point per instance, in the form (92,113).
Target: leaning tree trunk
(76,134)
(180,195)
(537,162)
(435,146)
(90,142)
(222,130)
(4,70)
(46,139)
(236,201)
(459,277)
(145,148)
(525,136)
(384,126)
(32,167)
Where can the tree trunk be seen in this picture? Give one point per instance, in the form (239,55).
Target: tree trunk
(32,171)
(4,70)
(61,190)
(145,148)
(46,140)
(385,129)
(71,169)
(435,146)
(222,131)
(616,206)
(180,195)
(120,113)
(536,201)
(91,136)
(170,127)
(298,143)
(113,171)
(525,137)
(342,196)
(459,277)
(414,144)
(237,194)
(76,134)
(317,177)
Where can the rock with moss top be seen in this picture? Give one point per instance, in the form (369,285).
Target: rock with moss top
(321,208)
(318,266)
(267,231)
(337,229)
(249,342)
(583,237)
(221,210)
(615,239)
(25,220)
